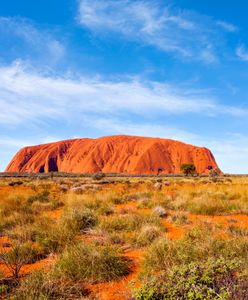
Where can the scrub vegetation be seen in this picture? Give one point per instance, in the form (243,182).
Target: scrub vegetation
(124,238)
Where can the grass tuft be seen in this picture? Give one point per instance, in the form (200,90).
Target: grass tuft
(92,263)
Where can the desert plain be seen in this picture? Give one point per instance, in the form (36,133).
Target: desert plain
(100,237)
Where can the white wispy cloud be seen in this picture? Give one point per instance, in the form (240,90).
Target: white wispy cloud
(242,52)
(185,33)
(227,26)
(29,41)
(27,96)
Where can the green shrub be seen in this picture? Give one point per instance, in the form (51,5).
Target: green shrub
(180,218)
(92,263)
(128,222)
(238,231)
(119,200)
(196,246)
(15,211)
(53,236)
(17,256)
(144,203)
(3,289)
(117,223)
(106,209)
(53,204)
(208,203)
(122,198)
(98,176)
(213,280)
(188,169)
(96,204)
(21,233)
(147,235)
(117,238)
(99,204)
(79,219)
(42,197)
(160,211)
(160,199)
(15,205)
(138,196)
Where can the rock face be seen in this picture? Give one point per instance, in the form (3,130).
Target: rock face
(112,154)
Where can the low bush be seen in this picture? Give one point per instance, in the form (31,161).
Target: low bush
(180,218)
(117,238)
(79,219)
(106,209)
(92,263)
(17,205)
(4,290)
(21,233)
(128,222)
(208,203)
(212,201)
(42,197)
(98,176)
(213,280)
(196,246)
(188,169)
(53,236)
(100,204)
(17,256)
(19,212)
(144,203)
(138,196)
(147,235)
(238,231)
(160,199)
(53,204)
(42,286)
(160,211)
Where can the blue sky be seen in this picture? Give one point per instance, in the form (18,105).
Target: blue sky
(87,68)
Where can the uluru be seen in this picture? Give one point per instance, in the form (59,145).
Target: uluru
(112,154)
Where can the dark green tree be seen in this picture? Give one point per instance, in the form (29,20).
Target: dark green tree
(98,176)
(188,169)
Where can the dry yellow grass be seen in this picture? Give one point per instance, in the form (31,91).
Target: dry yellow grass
(130,215)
